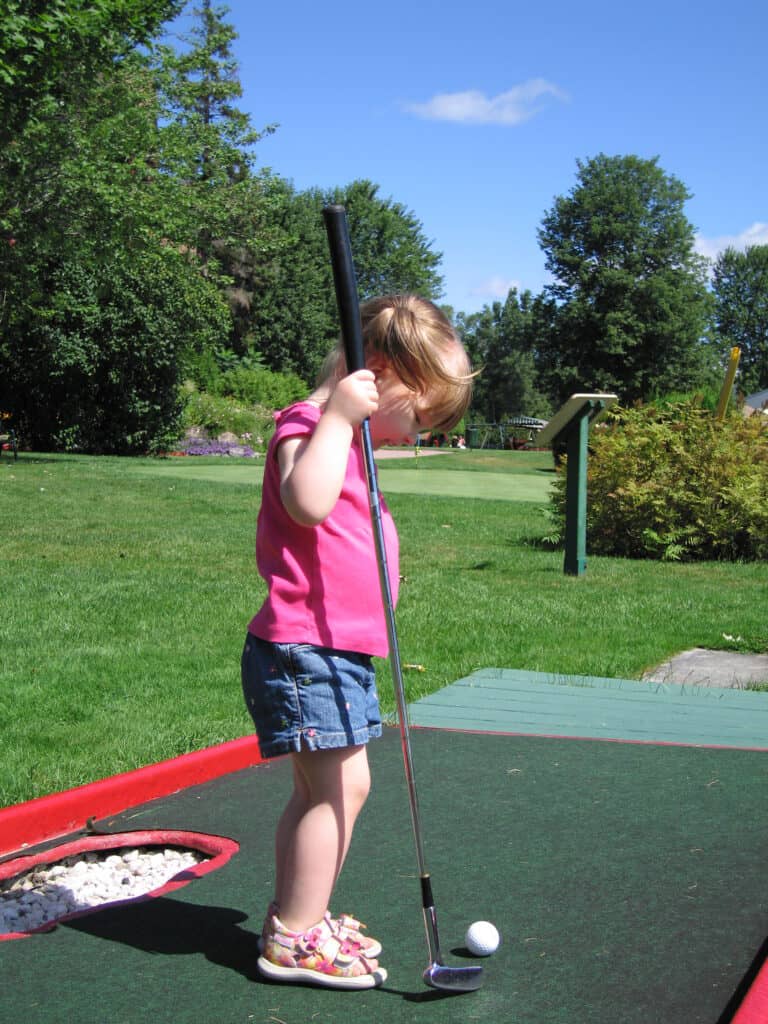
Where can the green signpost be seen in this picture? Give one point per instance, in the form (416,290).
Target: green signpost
(570,427)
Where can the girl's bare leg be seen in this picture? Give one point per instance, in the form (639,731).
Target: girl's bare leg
(315,830)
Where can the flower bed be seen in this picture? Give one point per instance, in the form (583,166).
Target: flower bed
(200,446)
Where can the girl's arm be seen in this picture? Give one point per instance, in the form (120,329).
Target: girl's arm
(312,469)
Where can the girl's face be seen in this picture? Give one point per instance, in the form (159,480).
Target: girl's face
(402,414)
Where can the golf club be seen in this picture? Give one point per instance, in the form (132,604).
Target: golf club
(438,975)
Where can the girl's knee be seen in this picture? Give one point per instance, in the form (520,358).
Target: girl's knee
(358,787)
(358,775)
(335,774)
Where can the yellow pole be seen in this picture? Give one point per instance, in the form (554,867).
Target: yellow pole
(725,392)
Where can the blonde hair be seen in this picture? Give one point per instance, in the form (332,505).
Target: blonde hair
(415,338)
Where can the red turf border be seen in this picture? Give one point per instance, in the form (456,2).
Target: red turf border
(48,817)
(754,1006)
(218,848)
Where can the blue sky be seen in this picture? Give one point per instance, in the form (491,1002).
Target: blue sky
(474,114)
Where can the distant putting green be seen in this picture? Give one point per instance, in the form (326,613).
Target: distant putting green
(459,483)
(518,483)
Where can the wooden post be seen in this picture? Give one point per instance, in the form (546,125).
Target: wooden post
(571,426)
(576,495)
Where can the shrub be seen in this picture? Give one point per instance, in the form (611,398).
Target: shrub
(673,483)
(260,386)
(706,396)
(241,401)
(216,414)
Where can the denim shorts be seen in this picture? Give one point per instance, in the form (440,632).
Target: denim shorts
(306,697)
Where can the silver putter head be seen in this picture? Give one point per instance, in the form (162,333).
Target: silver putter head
(454,979)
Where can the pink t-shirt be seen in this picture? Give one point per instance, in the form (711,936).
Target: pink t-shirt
(323,580)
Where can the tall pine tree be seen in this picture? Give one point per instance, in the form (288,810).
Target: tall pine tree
(208,148)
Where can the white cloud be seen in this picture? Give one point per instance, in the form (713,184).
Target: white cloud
(756,234)
(474,107)
(496,287)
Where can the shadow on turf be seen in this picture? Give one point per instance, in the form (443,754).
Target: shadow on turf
(173,928)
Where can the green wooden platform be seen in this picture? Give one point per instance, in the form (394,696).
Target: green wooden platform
(589,707)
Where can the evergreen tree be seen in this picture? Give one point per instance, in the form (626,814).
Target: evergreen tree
(208,149)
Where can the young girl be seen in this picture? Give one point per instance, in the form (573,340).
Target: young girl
(307,674)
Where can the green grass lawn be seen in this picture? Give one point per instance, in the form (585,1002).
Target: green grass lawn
(127,586)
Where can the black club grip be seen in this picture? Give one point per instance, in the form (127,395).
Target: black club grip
(346,286)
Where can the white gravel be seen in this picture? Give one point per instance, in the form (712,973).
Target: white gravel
(48,892)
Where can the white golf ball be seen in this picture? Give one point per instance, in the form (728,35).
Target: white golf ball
(482,938)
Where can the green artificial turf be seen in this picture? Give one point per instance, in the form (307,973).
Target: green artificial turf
(627,883)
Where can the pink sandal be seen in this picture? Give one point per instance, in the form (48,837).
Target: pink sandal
(318,956)
(349,928)
(344,926)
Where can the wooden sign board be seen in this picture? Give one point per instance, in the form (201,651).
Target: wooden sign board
(570,411)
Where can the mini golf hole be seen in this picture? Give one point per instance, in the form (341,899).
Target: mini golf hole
(81,877)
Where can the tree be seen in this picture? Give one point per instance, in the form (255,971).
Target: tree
(391,252)
(294,321)
(207,148)
(55,47)
(112,339)
(630,292)
(740,286)
(100,307)
(53,55)
(129,206)
(501,339)
(207,141)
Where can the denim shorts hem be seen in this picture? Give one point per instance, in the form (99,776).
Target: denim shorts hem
(326,741)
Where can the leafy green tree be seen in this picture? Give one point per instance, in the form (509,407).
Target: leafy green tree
(391,252)
(101,307)
(53,48)
(740,285)
(112,339)
(285,309)
(53,55)
(129,204)
(501,339)
(294,320)
(630,291)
